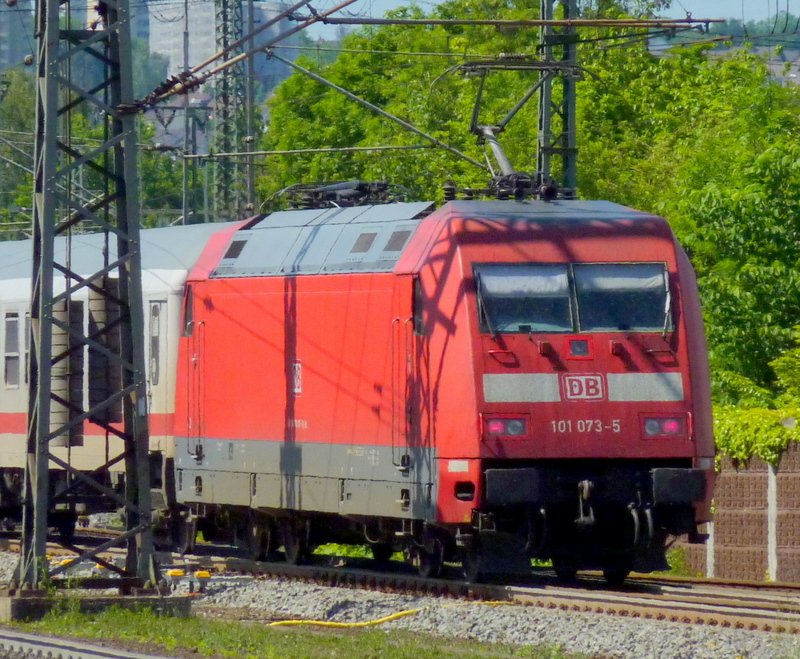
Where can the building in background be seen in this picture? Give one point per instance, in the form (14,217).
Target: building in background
(166,26)
(16,33)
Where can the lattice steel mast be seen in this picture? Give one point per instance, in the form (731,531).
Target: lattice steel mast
(557,138)
(230,113)
(107,332)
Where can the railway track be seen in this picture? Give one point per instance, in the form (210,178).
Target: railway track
(737,605)
(728,604)
(18,645)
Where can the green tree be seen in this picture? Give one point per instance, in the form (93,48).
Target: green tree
(161,180)
(759,427)
(16,149)
(307,114)
(160,173)
(710,144)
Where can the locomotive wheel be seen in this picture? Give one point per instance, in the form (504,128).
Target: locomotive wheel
(65,525)
(381,552)
(429,561)
(471,564)
(564,570)
(259,537)
(295,541)
(615,576)
(183,531)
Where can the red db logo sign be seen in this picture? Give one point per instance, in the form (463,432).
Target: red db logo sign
(583,387)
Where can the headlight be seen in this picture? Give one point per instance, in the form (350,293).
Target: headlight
(672,426)
(506,427)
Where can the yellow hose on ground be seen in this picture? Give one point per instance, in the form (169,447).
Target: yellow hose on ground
(328,623)
(370,623)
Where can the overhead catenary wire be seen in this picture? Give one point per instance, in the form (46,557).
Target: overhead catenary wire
(310,151)
(532,22)
(247,38)
(639,36)
(370,51)
(405,124)
(188,80)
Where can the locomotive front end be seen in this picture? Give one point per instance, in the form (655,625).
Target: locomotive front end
(594,432)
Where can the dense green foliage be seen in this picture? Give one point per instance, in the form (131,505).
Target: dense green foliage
(764,422)
(16,153)
(159,172)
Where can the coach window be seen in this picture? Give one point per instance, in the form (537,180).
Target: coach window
(155,342)
(524,298)
(623,297)
(12,350)
(27,338)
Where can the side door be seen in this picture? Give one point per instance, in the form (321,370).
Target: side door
(157,350)
(195,388)
(412,441)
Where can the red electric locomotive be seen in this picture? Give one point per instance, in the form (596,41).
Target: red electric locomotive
(486,382)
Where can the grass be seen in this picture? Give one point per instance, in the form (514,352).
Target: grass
(226,638)
(679,565)
(351,551)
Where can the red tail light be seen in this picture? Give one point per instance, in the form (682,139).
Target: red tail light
(506,427)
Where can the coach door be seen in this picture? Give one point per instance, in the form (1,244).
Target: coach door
(156,354)
(195,391)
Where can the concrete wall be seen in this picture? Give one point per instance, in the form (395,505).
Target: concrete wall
(756,529)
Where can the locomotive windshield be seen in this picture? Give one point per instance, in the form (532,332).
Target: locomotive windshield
(617,296)
(525,298)
(602,297)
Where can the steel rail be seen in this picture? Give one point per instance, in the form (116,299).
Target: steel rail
(14,643)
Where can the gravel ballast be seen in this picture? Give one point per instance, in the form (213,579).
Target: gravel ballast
(592,634)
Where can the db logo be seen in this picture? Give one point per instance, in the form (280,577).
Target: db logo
(583,387)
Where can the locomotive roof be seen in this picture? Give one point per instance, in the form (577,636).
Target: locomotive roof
(579,210)
(373,238)
(167,248)
(323,240)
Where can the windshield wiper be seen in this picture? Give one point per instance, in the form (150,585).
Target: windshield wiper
(483,312)
(667,314)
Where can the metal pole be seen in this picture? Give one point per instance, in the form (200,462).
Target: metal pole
(32,568)
(569,127)
(56,408)
(250,102)
(558,138)
(545,93)
(185,172)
